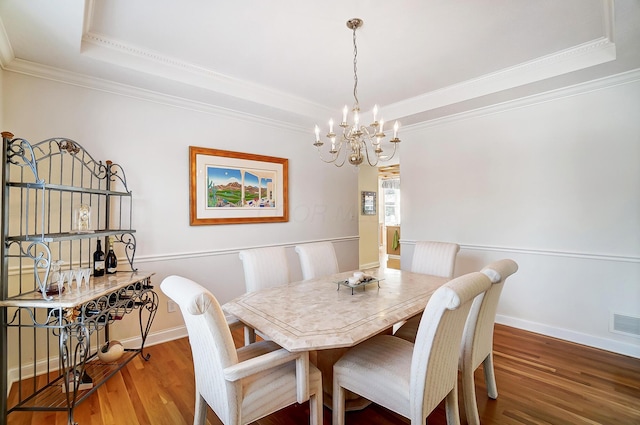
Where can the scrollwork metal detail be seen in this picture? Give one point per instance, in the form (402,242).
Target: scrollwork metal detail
(69,146)
(129,241)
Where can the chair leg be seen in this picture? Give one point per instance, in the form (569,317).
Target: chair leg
(200,415)
(490,377)
(338,404)
(451,406)
(469,396)
(315,408)
(249,335)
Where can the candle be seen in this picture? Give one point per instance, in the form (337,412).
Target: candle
(356,119)
(381,125)
(317,134)
(344,114)
(375,112)
(395,130)
(331,125)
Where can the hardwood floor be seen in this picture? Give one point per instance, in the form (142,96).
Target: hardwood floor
(540,380)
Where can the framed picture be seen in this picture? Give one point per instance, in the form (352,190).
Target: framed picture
(368,203)
(233,187)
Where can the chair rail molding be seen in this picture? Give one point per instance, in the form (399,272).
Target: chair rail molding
(233,251)
(553,253)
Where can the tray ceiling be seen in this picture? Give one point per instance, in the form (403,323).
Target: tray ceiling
(293,61)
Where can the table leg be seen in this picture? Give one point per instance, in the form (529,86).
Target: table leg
(324,361)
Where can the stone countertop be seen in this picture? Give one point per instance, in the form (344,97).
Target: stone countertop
(77,296)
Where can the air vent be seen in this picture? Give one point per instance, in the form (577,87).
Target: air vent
(627,325)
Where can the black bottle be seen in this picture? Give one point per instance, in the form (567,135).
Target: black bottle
(98,260)
(111,262)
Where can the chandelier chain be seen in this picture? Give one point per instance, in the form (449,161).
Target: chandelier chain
(355,71)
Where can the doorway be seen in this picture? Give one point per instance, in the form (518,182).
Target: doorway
(389,216)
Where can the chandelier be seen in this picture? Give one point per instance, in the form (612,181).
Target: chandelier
(357,140)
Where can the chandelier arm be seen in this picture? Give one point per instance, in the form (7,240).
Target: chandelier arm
(344,159)
(335,157)
(328,161)
(338,155)
(373,164)
(388,157)
(365,130)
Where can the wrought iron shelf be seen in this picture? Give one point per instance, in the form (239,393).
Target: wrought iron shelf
(58,237)
(44,186)
(65,188)
(52,397)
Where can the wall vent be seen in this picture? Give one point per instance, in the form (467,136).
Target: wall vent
(624,324)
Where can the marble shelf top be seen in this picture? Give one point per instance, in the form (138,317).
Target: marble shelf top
(77,296)
(314,315)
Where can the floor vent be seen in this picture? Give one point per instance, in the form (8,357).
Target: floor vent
(624,324)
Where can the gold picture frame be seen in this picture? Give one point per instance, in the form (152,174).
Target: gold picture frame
(229,187)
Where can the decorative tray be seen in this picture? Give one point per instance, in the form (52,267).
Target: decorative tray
(359,283)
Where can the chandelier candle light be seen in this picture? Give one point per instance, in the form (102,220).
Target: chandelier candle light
(353,142)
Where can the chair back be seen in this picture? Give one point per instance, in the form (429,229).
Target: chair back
(264,267)
(435,258)
(211,342)
(434,364)
(477,342)
(317,259)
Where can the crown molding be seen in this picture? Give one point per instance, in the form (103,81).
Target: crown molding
(101,47)
(36,70)
(576,58)
(573,59)
(627,77)
(6,51)
(594,52)
(112,51)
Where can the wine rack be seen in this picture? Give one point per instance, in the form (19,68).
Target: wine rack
(57,202)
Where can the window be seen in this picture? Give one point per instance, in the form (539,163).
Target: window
(391,201)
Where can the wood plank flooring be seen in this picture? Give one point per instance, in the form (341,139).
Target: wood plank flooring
(540,380)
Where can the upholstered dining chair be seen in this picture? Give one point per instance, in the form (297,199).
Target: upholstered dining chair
(477,340)
(412,379)
(317,259)
(434,258)
(243,385)
(263,268)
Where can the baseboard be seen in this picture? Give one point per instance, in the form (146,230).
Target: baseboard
(372,265)
(617,347)
(154,338)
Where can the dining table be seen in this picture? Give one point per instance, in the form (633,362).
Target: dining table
(329,314)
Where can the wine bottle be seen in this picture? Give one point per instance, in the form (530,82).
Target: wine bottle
(111,262)
(98,260)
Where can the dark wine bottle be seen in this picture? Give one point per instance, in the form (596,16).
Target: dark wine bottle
(111,262)
(98,260)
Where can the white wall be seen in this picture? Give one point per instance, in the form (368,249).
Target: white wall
(552,182)
(150,139)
